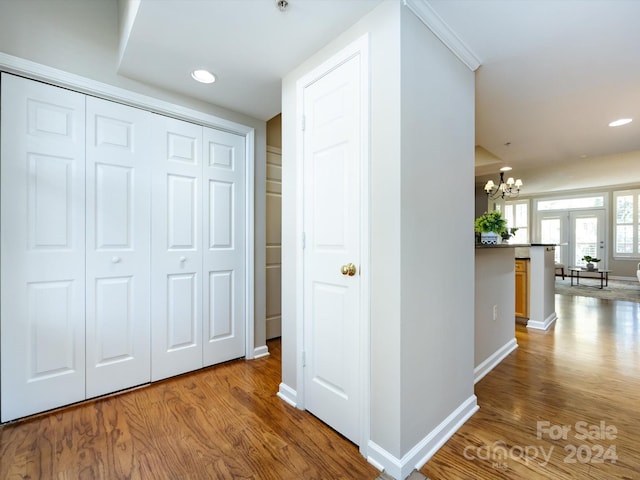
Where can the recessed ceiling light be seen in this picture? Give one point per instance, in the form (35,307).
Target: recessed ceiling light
(621,121)
(203,76)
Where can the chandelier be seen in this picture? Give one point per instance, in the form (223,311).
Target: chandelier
(508,189)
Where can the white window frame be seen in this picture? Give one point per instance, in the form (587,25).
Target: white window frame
(535,214)
(517,224)
(635,223)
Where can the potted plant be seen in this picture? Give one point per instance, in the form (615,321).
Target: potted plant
(490,225)
(508,233)
(590,262)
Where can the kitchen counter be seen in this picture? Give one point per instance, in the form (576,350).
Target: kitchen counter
(516,245)
(495,299)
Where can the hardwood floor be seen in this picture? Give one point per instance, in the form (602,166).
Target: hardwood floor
(584,373)
(226,422)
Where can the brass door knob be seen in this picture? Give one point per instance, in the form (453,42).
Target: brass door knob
(349,269)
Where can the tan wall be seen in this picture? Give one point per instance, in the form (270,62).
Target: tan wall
(274,131)
(274,228)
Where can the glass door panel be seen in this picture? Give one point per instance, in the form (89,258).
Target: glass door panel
(550,231)
(554,229)
(587,237)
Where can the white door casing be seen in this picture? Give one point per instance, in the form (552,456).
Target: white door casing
(335,372)
(118,182)
(176,248)
(42,247)
(224,273)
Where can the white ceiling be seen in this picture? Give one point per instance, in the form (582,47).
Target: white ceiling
(250,45)
(553,72)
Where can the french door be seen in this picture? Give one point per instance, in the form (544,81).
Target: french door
(579,233)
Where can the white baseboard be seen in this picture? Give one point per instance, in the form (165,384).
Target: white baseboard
(401,468)
(490,363)
(544,325)
(288,394)
(262,351)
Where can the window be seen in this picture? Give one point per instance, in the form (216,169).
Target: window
(571,203)
(517,215)
(627,227)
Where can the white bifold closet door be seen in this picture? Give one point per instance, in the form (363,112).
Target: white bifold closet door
(123,247)
(118,183)
(176,285)
(198,247)
(43,247)
(224,246)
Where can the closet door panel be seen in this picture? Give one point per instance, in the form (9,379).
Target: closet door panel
(42,247)
(118,246)
(225,246)
(176,307)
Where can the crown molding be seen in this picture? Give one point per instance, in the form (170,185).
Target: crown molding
(425,12)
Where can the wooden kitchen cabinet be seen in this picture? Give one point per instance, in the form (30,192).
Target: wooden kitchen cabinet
(522,288)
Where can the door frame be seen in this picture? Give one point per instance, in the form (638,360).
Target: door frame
(359,47)
(77,83)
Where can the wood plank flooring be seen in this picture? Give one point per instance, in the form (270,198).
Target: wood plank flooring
(584,373)
(226,422)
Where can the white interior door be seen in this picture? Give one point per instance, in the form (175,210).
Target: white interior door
(225,240)
(176,284)
(118,246)
(333,149)
(42,247)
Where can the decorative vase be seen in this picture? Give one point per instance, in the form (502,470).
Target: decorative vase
(590,267)
(489,238)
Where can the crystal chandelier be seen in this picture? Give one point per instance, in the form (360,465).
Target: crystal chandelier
(508,189)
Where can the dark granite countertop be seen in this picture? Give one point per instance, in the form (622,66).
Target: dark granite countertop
(514,245)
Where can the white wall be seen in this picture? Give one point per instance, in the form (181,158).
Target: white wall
(437,240)
(542,290)
(81,37)
(383,29)
(495,285)
(421,239)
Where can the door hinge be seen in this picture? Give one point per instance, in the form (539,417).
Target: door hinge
(304,358)
(304,240)
(303,123)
